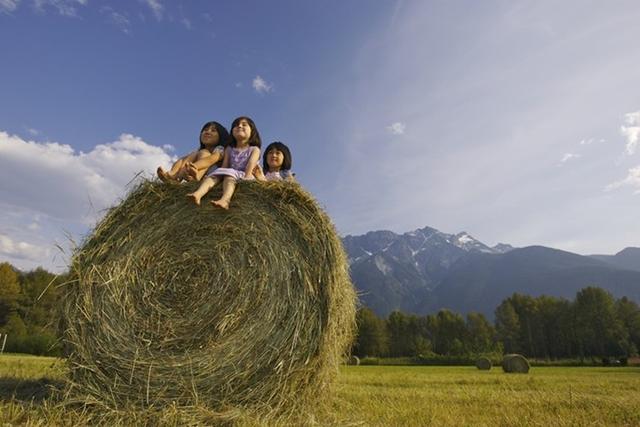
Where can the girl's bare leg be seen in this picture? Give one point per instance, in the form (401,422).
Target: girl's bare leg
(164,175)
(228,188)
(182,174)
(202,154)
(172,175)
(192,173)
(207,184)
(199,174)
(176,167)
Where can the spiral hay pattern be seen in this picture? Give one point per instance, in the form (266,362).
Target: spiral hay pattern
(250,308)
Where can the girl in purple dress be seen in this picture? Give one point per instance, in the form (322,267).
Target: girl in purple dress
(277,164)
(240,159)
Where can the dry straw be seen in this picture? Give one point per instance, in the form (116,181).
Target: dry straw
(515,363)
(246,309)
(484,364)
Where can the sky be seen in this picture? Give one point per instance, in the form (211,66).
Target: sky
(515,121)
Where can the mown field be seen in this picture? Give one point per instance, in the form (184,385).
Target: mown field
(379,396)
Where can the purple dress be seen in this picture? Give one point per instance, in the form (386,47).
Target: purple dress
(238,159)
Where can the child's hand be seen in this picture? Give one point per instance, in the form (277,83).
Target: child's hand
(192,171)
(258,173)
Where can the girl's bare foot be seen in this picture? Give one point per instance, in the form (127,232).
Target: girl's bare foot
(194,198)
(164,176)
(224,204)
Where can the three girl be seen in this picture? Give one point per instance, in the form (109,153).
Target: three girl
(213,140)
(240,159)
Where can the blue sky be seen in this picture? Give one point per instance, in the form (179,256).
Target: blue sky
(516,121)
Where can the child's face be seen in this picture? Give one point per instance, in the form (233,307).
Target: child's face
(242,131)
(274,160)
(210,136)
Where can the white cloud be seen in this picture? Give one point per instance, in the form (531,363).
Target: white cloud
(64,7)
(590,141)
(261,85)
(53,179)
(9,5)
(186,22)
(238,84)
(156,7)
(631,131)
(120,20)
(632,180)
(569,156)
(22,250)
(50,192)
(397,128)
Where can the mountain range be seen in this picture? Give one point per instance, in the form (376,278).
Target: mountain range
(425,270)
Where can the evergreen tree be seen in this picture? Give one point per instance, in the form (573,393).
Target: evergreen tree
(448,333)
(628,313)
(480,334)
(508,327)
(598,330)
(408,335)
(372,336)
(9,292)
(39,300)
(556,322)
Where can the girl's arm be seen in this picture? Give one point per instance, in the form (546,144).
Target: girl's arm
(227,157)
(259,173)
(251,164)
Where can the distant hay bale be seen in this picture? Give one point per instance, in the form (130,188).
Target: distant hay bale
(484,364)
(173,304)
(515,363)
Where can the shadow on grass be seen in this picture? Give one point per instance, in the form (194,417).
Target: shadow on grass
(28,390)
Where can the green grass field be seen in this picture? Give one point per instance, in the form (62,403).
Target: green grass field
(382,396)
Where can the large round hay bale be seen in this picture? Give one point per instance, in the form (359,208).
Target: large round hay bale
(515,363)
(250,308)
(353,360)
(484,364)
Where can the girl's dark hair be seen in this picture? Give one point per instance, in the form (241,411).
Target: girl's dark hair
(286,162)
(254,140)
(223,135)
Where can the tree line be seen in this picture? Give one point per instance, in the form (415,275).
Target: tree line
(594,324)
(28,304)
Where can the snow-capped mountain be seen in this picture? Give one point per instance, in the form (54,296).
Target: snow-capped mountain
(424,270)
(424,245)
(400,270)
